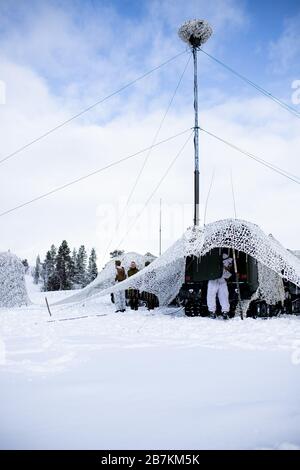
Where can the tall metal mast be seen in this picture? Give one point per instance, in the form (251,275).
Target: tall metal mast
(196,142)
(160,227)
(195,33)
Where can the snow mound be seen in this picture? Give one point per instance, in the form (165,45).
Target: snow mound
(13,291)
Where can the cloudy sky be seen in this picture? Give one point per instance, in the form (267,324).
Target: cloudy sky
(59,57)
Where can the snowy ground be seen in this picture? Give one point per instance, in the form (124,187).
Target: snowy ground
(137,380)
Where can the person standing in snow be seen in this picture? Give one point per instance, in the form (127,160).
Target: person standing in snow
(150,299)
(133,294)
(119,296)
(133,269)
(218,287)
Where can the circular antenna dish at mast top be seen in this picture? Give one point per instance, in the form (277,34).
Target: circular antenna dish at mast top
(195,32)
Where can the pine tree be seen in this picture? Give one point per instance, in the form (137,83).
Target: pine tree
(26,265)
(63,264)
(116,253)
(73,267)
(37,270)
(81,274)
(49,273)
(92,271)
(45,271)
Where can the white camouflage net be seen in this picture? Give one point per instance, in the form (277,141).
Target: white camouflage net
(195,32)
(106,278)
(270,288)
(165,276)
(13,291)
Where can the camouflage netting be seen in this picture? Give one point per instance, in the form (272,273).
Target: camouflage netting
(13,291)
(195,32)
(165,275)
(106,278)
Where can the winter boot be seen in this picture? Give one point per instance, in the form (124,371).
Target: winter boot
(212,314)
(225,316)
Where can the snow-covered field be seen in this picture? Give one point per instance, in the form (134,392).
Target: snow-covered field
(138,380)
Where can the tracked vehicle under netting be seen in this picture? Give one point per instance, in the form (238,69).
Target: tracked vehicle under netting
(267,270)
(199,270)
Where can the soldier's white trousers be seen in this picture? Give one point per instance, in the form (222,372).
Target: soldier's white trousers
(120,302)
(218,287)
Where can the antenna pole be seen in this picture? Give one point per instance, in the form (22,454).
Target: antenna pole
(195,33)
(196,141)
(160,227)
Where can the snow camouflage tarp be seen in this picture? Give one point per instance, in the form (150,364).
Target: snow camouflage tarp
(198,29)
(165,275)
(13,291)
(106,278)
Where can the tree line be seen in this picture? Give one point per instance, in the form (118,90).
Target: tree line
(63,270)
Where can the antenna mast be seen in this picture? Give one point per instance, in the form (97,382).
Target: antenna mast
(160,227)
(195,33)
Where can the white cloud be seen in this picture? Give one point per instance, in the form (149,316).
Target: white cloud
(285,51)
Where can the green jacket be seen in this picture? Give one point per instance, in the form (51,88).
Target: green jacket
(132,271)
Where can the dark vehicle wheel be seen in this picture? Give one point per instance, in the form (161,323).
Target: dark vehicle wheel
(295,308)
(262,309)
